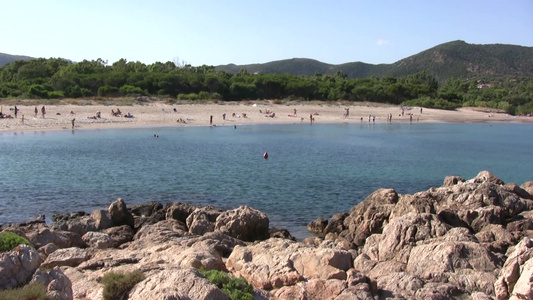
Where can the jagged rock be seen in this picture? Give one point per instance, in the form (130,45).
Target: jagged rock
(76,223)
(48,249)
(102,219)
(486,176)
(120,234)
(244,223)
(66,257)
(496,238)
(222,243)
(318,226)
(519,191)
(336,224)
(58,285)
(528,187)
(161,232)
(281,233)
(177,284)
(277,262)
(98,240)
(202,220)
(147,209)
(179,211)
(62,239)
(452,180)
(17,266)
(120,215)
(515,276)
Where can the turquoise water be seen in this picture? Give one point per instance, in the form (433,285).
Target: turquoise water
(312,171)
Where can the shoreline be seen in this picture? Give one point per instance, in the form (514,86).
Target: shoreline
(161,114)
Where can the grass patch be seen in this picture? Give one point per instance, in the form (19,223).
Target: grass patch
(117,285)
(235,288)
(10,240)
(34,291)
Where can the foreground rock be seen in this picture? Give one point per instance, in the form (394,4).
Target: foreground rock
(469,239)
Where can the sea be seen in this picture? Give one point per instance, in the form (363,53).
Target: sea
(312,171)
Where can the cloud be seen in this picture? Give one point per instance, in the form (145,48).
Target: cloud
(381,42)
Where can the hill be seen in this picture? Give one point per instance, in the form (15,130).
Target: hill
(8,58)
(454,59)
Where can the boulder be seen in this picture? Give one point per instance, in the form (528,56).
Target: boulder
(160,232)
(58,285)
(281,233)
(528,187)
(17,266)
(318,226)
(176,284)
(278,262)
(66,257)
(98,240)
(452,180)
(244,223)
(179,211)
(514,279)
(202,220)
(120,234)
(62,239)
(486,176)
(120,215)
(102,219)
(147,209)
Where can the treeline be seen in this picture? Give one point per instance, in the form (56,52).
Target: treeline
(56,78)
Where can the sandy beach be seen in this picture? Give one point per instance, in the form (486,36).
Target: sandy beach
(154,114)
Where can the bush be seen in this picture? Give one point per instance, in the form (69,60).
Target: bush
(235,288)
(32,291)
(10,240)
(131,90)
(117,285)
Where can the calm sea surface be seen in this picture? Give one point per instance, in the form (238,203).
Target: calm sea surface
(312,171)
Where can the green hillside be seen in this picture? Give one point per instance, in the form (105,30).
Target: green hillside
(456,59)
(8,58)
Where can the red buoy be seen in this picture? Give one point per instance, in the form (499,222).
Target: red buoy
(265,155)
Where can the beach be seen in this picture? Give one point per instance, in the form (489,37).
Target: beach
(160,113)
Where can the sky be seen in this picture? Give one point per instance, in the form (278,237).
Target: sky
(219,32)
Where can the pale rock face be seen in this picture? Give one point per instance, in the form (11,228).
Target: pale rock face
(59,286)
(514,279)
(17,266)
(244,223)
(119,213)
(98,240)
(62,239)
(67,257)
(177,284)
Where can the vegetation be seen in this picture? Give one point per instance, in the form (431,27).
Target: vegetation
(117,285)
(10,240)
(448,76)
(32,291)
(235,288)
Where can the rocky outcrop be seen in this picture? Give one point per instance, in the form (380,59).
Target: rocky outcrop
(244,223)
(17,266)
(457,241)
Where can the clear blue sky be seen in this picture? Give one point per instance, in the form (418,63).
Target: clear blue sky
(248,31)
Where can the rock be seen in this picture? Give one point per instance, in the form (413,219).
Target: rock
(120,234)
(519,191)
(160,232)
(313,289)
(528,187)
(318,226)
(66,257)
(202,220)
(518,264)
(336,224)
(147,209)
(452,180)
(222,243)
(486,176)
(47,249)
(59,286)
(17,266)
(277,262)
(496,238)
(244,223)
(62,239)
(102,219)
(98,240)
(179,211)
(281,233)
(120,215)
(176,284)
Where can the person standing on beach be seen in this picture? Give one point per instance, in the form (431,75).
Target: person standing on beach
(16,111)
(211,120)
(36,111)
(73,120)
(43,111)
(311,118)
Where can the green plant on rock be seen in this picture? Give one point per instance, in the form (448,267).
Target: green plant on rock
(10,240)
(34,291)
(117,285)
(235,288)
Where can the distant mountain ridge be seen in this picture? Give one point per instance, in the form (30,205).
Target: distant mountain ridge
(454,59)
(8,58)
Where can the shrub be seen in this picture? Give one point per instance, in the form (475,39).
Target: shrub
(34,291)
(235,288)
(10,240)
(117,285)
